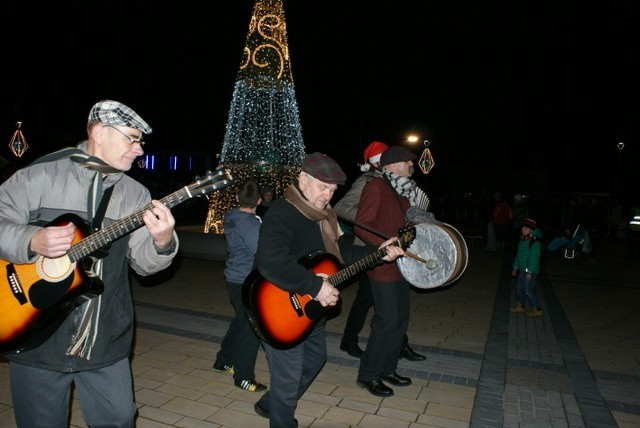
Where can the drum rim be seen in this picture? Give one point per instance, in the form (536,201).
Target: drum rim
(461,256)
(462,244)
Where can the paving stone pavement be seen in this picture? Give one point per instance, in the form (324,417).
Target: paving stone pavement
(576,366)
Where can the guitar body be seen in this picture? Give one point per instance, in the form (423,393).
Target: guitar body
(36,298)
(279,317)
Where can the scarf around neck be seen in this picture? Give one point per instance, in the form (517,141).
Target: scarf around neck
(408,188)
(327,218)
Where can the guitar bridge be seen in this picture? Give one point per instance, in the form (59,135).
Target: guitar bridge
(14,283)
(295,304)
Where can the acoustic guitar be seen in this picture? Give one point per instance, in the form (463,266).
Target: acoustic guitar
(36,298)
(282,318)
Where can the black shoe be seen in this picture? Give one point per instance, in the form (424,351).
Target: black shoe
(409,354)
(352,349)
(264,413)
(376,387)
(397,380)
(259,410)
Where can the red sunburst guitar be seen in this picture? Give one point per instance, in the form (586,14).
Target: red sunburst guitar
(36,298)
(284,319)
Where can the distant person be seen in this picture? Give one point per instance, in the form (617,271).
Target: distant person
(526,267)
(519,213)
(267,194)
(346,208)
(501,216)
(239,348)
(91,347)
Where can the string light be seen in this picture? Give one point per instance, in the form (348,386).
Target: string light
(263,137)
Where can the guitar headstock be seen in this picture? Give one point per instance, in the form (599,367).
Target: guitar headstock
(406,235)
(216,180)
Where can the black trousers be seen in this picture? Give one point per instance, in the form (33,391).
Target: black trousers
(239,348)
(389,324)
(358,313)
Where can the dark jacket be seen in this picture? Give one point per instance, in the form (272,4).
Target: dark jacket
(528,256)
(241,231)
(383,210)
(285,237)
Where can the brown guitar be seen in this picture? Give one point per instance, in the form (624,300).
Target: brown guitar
(284,319)
(36,298)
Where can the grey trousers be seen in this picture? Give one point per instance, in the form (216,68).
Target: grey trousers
(291,373)
(41,397)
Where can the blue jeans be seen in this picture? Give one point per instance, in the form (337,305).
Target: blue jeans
(526,287)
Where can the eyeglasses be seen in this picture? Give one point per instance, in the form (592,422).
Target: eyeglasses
(128,137)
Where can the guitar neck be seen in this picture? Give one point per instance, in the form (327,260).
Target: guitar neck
(405,237)
(359,266)
(121,227)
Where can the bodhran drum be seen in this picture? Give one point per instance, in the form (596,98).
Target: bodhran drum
(445,255)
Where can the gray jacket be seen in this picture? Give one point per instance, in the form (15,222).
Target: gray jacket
(37,196)
(347,206)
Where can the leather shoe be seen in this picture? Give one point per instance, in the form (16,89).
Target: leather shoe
(376,387)
(409,354)
(260,410)
(397,380)
(352,349)
(265,413)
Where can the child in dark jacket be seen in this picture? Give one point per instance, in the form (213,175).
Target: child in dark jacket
(526,267)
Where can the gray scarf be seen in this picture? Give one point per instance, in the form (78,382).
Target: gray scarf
(408,188)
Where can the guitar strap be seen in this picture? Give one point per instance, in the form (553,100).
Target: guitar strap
(96,223)
(79,156)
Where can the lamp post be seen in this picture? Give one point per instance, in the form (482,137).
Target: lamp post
(412,139)
(620,146)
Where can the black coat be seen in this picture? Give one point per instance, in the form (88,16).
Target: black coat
(286,236)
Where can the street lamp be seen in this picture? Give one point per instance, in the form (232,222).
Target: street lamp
(620,146)
(412,139)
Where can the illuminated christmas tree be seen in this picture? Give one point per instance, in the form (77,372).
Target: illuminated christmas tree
(263,138)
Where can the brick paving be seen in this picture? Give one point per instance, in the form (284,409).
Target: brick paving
(576,366)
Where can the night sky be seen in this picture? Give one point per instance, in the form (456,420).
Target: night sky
(497,86)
